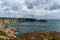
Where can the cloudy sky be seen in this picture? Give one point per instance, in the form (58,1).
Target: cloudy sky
(39,9)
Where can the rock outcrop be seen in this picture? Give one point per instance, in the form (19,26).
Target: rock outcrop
(40,35)
(16,20)
(42,20)
(7,32)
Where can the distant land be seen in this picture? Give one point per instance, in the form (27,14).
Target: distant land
(18,20)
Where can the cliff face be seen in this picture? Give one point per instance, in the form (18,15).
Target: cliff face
(26,20)
(16,20)
(8,20)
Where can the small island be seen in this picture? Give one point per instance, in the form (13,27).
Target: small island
(42,20)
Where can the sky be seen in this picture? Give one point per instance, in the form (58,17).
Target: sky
(39,9)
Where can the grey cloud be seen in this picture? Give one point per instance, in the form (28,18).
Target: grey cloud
(15,8)
(54,7)
(29,5)
(26,8)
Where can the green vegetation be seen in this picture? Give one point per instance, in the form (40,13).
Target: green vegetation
(1,39)
(6,26)
(40,35)
(2,33)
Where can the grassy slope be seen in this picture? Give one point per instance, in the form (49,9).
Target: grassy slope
(40,35)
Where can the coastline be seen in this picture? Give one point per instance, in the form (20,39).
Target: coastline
(7,32)
(13,36)
(40,35)
(33,35)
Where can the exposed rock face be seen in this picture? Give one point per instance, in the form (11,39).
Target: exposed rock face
(16,20)
(36,35)
(40,35)
(26,20)
(43,20)
(7,32)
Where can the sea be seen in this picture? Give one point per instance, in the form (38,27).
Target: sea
(51,25)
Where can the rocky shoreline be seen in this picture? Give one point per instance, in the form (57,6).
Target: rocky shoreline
(34,35)
(7,32)
(19,20)
(40,35)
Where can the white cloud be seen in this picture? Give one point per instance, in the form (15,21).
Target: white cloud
(28,8)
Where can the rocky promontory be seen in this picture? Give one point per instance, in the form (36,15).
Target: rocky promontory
(19,20)
(37,35)
(42,20)
(7,32)
(40,35)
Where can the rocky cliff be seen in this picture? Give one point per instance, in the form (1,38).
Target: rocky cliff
(16,20)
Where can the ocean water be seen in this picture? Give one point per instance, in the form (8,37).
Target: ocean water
(51,25)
